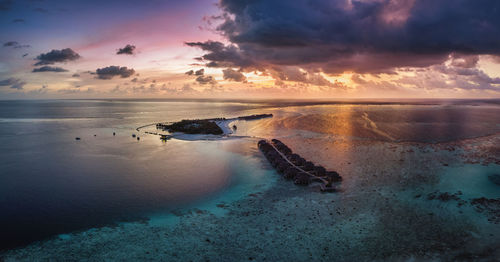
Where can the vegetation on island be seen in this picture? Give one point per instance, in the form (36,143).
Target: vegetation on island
(204,126)
(254,117)
(200,126)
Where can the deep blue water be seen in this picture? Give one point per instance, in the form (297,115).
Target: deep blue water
(50,183)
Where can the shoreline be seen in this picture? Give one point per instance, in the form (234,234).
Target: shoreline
(225,126)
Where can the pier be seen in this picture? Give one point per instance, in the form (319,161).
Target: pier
(294,167)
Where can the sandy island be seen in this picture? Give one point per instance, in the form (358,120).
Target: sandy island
(224,124)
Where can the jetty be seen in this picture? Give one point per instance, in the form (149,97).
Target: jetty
(254,117)
(294,167)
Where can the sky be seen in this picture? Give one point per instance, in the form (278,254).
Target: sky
(247,49)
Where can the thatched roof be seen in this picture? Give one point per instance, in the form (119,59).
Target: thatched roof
(333,176)
(301,179)
(309,166)
(290,173)
(320,171)
(282,166)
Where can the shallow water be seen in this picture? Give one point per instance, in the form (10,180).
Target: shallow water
(52,184)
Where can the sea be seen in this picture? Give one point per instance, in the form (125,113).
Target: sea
(70,166)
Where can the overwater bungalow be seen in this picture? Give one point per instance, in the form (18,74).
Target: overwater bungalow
(333,176)
(308,166)
(319,170)
(282,166)
(301,179)
(294,167)
(290,173)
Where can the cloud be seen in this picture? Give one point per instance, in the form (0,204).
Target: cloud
(10,43)
(49,69)
(112,71)
(186,88)
(15,44)
(14,83)
(358,79)
(202,80)
(220,55)
(358,36)
(291,73)
(230,74)
(75,75)
(199,72)
(465,61)
(444,76)
(57,56)
(127,50)
(18,20)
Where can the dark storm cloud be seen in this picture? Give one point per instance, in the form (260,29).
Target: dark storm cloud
(112,71)
(190,72)
(230,74)
(361,36)
(57,56)
(220,55)
(13,83)
(49,69)
(127,50)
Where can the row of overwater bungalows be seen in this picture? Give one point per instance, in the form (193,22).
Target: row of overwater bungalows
(294,167)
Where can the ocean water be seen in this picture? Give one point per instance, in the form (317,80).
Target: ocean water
(53,185)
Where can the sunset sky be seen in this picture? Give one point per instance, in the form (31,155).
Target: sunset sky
(250,49)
